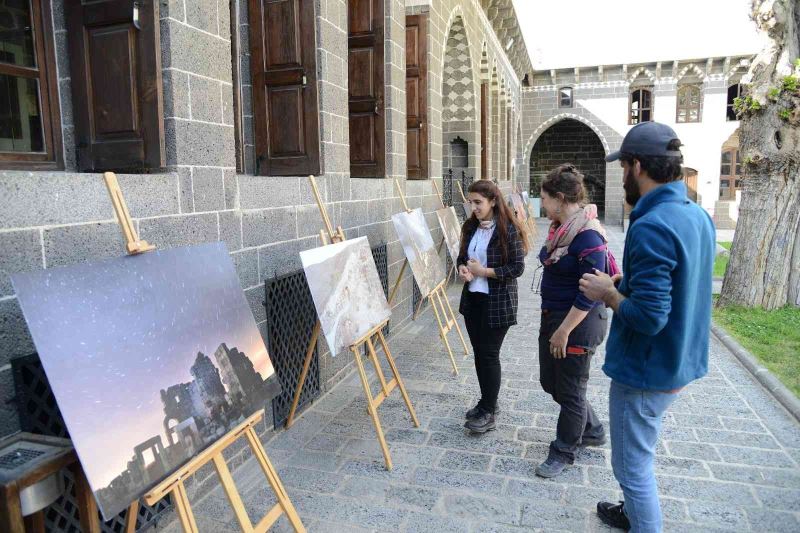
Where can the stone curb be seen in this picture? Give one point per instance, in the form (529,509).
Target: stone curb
(761,373)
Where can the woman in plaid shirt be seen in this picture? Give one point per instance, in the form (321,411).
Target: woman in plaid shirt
(493,249)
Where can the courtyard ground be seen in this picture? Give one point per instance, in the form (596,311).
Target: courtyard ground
(727,460)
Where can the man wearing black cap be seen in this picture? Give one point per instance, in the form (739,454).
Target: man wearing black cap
(662,314)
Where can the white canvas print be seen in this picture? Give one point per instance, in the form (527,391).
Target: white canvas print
(518,205)
(451,231)
(467,209)
(415,236)
(151,358)
(346,290)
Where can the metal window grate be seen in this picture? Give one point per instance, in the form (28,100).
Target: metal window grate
(466,181)
(39,413)
(381,257)
(18,457)
(291,317)
(416,297)
(447,187)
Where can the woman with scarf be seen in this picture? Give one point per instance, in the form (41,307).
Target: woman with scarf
(492,257)
(572,326)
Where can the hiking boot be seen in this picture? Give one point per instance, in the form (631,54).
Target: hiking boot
(613,514)
(475,411)
(550,468)
(593,441)
(481,423)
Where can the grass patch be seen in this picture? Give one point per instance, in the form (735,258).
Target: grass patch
(721,261)
(773,337)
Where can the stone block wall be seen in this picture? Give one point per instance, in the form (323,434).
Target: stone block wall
(58,218)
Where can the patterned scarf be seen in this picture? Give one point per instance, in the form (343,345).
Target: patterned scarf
(560,235)
(487,224)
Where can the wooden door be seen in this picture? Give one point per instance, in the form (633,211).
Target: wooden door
(365,87)
(730,174)
(283,66)
(115,65)
(484,130)
(417,96)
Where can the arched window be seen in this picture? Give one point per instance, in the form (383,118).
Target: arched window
(734,91)
(640,108)
(689,99)
(730,174)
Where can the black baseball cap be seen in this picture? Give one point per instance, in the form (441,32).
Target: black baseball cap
(647,138)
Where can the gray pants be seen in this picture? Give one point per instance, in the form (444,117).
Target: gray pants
(565,380)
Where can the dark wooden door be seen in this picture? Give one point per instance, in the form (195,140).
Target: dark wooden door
(417,96)
(484,130)
(115,64)
(365,86)
(283,68)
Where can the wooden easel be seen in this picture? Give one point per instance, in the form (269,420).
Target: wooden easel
(328,235)
(174,484)
(445,316)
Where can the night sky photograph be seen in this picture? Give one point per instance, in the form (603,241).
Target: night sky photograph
(112,334)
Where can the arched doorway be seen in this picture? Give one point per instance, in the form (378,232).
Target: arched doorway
(571,141)
(730,168)
(458,104)
(731,173)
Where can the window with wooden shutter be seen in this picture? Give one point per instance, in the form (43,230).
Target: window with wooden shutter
(484,130)
(283,65)
(115,63)
(417,96)
(365,86)
(30,125)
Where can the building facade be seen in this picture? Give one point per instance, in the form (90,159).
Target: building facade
(582,114)
(214,112)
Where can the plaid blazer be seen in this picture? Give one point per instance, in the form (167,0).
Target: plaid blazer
(503,298)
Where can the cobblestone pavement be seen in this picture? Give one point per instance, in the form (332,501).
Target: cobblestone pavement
(727,461)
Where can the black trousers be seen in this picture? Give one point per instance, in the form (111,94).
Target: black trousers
(486,343)
(565,380)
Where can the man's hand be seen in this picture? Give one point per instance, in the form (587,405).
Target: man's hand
(600,288)
(558,344)
(464,273)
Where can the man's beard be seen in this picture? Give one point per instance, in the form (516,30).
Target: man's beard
(632,193)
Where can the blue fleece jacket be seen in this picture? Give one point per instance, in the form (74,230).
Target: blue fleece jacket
(659,336)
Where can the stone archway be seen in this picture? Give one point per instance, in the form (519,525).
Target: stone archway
(459,128)
(571,141)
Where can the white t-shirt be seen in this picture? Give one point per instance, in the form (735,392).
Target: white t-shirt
(477,250)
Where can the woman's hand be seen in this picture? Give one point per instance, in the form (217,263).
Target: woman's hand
(558,343)
(464,273)
(476,268)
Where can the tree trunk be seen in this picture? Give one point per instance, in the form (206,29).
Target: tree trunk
(763,270)
(794,276)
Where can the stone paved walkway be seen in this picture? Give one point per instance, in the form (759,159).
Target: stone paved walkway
(728,459)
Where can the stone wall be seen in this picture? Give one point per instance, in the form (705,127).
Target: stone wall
(59,218)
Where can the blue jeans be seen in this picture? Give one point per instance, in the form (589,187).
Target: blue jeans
(635,420)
